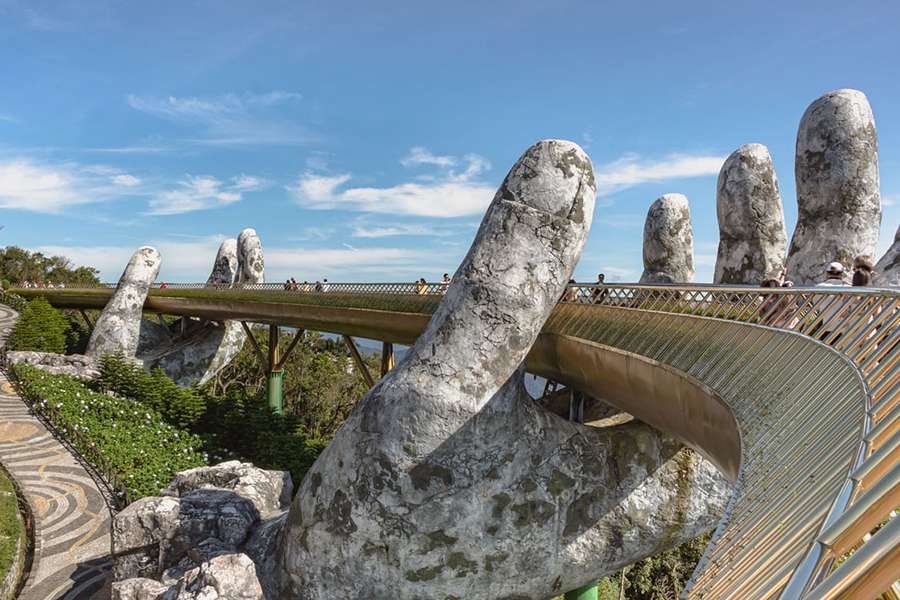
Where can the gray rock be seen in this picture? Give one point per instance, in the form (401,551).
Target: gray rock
(224,577)
(139,589)
(449,481)
(752,236)
(268,491)
(144,522)
(74,365)
(250,257)
(887,270)
(668,241)
(839,204)
(118,327)
(151,337)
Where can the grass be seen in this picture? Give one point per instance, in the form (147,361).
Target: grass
(11,527)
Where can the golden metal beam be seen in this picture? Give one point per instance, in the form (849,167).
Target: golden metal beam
(358,359)
(387,358)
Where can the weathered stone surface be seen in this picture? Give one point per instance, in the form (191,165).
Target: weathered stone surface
(752,236)
(448,481)
(144,522)
(75,365)
(887,270)
(225,268)
(197,357)
(839,204)
(224,577)
(118,327)
(151,337)
(250,257)
(668,241)
(139,589)
(268,491)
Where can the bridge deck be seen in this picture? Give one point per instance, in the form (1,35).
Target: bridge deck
(793,393)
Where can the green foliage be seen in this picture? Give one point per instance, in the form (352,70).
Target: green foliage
(128,441)
(79,333)
(40,328)
(19,265)
(321,385)
(238,425)
(179,406)
(11,530)
(14,301)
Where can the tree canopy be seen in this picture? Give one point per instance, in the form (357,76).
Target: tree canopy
(18,265)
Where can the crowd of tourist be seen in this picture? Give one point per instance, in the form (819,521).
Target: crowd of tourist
(41,285)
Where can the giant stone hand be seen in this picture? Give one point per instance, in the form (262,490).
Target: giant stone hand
(448,481)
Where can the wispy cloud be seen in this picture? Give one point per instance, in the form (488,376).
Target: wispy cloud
(888,200)
(631,170)
(230,119)
(202,193)
(395,230)
(450,192)
(7,118)
(191,260)
(51,187)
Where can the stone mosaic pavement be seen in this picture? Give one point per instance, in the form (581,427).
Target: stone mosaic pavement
(71,518)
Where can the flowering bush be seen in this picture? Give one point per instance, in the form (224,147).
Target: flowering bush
(129,442)
(178,406)
(14,301)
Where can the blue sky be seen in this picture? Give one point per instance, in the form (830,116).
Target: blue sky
(363,140)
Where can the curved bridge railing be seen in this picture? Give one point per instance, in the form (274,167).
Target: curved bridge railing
(792,392)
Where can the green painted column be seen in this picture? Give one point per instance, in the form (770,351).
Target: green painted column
(275,391)
(588,592)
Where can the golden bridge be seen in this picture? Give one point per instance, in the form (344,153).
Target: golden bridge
(792,392)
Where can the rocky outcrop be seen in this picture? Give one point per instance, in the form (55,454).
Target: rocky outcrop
(118,328)
(839,204)
(887,270)
(668,241)
(209,347)
(212,527)
(449,481)
(75,365)
(752,236)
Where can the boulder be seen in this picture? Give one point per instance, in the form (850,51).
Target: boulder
(118,328)
(224,577)
(74,365)
(752,236)
(140,588)
(668,241)
(448,481)
(268,491)
(887,270)
(838,199)
(137,532)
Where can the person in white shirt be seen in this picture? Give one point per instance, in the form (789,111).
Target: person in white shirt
(834,277)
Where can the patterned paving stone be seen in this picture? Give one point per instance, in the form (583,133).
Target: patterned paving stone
(71,518)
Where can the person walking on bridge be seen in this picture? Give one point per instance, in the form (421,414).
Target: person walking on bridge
(834,277)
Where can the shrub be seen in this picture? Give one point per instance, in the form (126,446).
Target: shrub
(179,406)
(40,328)
(14,301)
(128,441)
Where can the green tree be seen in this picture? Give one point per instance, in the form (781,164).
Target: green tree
(40,328)
(18,265)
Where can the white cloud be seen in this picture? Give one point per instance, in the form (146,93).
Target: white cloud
(888,200)
(247,183)
(50,187)
(449,193)
(361,231)
(126,180)
(192,261)
(421,156)
(229,119)
(630,170)
(201,193)
(8,118)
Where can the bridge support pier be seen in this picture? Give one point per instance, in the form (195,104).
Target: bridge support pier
(273,363)
(387,358)
(358,360)
(588,592)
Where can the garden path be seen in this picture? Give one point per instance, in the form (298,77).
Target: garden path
(71,518)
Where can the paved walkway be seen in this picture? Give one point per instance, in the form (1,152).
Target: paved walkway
(71,519)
